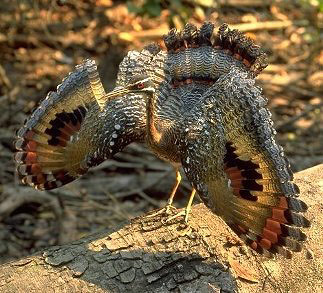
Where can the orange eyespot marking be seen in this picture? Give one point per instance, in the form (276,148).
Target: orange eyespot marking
(278,215)
(265,243)
(31,146)
(269,235)
(273,226)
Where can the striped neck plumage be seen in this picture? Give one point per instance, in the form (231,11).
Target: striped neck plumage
(153,134)
(143,84)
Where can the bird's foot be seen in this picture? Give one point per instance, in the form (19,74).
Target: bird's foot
(185,213)
(165,210)
(187,210)
(182,213)
(168,209)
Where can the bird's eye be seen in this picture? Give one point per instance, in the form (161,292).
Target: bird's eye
(140,85)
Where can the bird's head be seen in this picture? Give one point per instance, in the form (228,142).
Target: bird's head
(138,84)
(141,83)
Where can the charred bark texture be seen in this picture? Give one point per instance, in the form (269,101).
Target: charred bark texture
(149,255)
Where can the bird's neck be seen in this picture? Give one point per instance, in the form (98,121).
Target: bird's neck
(153,134)
(160,134)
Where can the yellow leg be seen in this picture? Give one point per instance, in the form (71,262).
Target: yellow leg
(187,210)
(172,195)
(169,205)
(189,204)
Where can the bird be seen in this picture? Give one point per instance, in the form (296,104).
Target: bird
(196,105)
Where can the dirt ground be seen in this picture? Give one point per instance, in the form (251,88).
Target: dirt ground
(41,41)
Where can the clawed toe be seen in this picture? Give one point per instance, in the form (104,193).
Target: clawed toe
(165,210)
(185,213)
(169,208)
(182,213)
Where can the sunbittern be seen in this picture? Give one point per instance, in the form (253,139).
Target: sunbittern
(197,105)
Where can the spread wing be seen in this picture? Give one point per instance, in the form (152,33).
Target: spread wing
(74,129)
(241,173)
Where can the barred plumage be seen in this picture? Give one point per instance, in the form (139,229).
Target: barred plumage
(196,105)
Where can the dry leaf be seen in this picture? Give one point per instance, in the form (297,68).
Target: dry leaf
(243,272)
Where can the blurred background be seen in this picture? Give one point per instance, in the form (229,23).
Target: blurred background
(41,41)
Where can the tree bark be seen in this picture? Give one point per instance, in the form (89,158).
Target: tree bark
(149,255)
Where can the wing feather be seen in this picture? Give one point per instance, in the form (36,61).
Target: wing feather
(75,128)
(240,171)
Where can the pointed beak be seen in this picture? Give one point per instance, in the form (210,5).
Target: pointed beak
(117,93)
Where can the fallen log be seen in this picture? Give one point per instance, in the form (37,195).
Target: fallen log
(149,255)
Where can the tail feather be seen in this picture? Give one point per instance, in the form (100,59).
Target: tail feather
(232,42)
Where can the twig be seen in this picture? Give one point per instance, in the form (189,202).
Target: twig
(267,25)
(292,120)
(118,210)
(244,27)
(149,199)
(4,77)
(17,196)
(241,3)
(148,34)
(302,91)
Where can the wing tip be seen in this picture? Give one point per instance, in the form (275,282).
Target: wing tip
(270,243)
(43,181)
